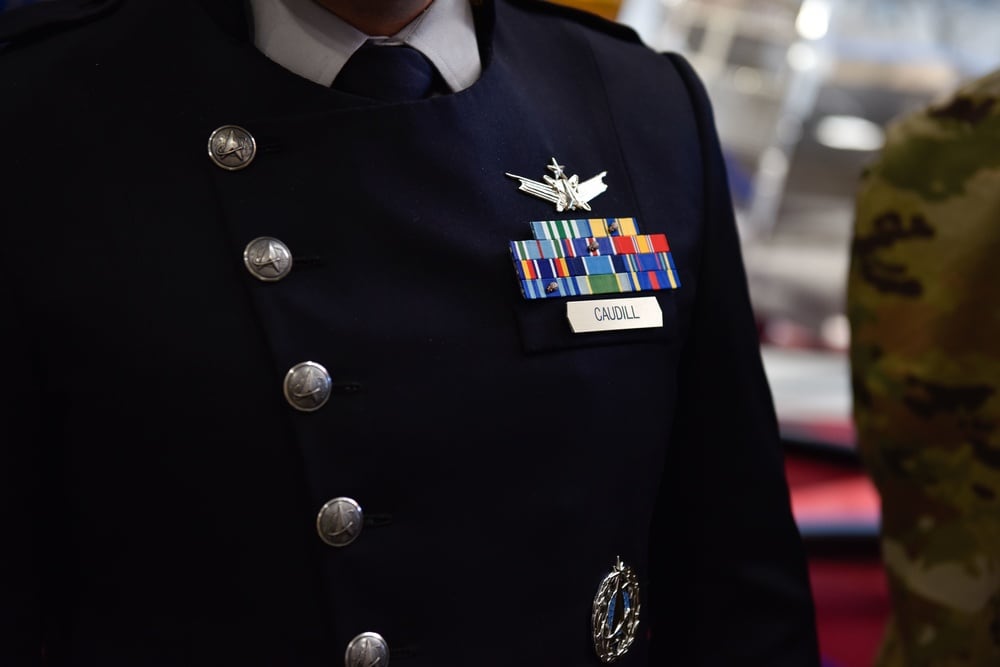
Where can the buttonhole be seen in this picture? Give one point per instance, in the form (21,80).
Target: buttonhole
(308,262)
(377,520)
(403,652)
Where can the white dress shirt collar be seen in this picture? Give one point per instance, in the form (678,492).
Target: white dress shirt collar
(312,42)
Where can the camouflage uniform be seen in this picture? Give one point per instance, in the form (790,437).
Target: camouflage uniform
(924,304)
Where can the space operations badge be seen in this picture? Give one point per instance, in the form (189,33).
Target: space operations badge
(616,613)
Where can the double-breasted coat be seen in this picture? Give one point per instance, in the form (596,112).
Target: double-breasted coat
(160,494)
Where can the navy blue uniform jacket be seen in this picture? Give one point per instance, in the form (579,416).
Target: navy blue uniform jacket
(159,496)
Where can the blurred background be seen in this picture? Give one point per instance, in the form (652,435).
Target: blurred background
(803,91)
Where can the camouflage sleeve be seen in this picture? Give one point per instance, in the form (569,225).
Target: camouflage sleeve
(924,305)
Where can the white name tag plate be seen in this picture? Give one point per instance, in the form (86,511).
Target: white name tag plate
(614,314)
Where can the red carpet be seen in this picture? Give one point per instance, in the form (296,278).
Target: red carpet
(852,603)
(837,511)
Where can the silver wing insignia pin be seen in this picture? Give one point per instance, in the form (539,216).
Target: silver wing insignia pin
(566,192)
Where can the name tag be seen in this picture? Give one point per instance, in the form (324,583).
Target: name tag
(614,314)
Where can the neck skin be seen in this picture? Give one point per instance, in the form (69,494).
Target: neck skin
(377,17)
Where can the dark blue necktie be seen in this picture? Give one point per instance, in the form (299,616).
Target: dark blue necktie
(388,74)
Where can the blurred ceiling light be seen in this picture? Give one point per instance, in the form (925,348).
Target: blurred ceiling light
(802,57)
(836,332)
(813,21)
(849,133)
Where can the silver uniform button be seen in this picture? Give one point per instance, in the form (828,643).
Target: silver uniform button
(231,147)
(340,521)
(307,386)
(368,649)
(267,259)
